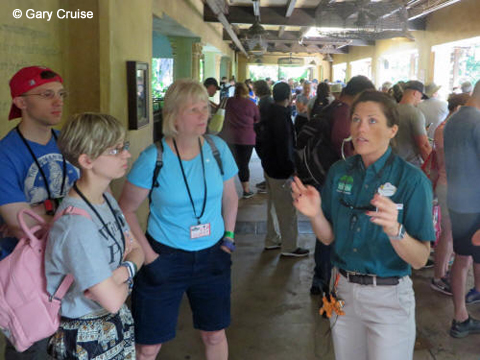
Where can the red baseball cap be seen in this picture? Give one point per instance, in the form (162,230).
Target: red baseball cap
(26,79)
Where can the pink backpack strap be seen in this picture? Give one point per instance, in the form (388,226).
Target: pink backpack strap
(30,231)
(68,280)
(63,288)
(71,210)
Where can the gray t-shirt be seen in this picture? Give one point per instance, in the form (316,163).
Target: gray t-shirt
(435,112)
(302,99)
(462,160)
(83,248)
(412,124)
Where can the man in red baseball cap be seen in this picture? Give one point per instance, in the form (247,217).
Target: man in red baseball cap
(33,172)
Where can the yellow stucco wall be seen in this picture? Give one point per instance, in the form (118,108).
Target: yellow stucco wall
(126,36)
(25,42)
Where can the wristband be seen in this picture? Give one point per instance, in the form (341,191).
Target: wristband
(129,281)
(229,234)
(229,244)
(131,267)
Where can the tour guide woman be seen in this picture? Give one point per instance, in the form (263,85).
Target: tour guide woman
(190,227)
(377,211)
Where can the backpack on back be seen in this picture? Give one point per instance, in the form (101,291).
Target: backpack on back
(159,162)
(27,312)
(261,138)
(315,153)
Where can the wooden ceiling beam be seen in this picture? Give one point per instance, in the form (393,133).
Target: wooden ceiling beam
(290,8)
(275,15)
(214,6)
(293,36)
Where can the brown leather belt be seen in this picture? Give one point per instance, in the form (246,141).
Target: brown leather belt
(369,279)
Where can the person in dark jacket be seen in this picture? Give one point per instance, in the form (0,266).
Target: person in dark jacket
(279,166)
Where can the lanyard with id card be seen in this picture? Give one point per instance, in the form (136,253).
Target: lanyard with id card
(199,230)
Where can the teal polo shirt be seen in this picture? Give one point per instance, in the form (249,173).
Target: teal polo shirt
(360,245)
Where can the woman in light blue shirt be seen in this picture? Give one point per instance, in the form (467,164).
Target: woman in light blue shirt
(189,235)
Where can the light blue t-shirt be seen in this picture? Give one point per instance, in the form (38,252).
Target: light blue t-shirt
(171,212)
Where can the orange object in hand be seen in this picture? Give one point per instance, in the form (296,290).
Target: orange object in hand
(331,305)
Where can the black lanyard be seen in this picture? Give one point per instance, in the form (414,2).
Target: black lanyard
(186,182)
(100,218)
(47,185)
(378,176)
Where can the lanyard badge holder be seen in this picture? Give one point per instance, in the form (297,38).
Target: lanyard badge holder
(199,230)
(330,302)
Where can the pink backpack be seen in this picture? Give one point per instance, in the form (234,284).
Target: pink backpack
(27,312)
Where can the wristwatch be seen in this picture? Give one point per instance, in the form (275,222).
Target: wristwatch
(400,235)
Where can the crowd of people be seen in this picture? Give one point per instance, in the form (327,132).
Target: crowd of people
(369,203)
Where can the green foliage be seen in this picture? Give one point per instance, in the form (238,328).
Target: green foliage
(162,76)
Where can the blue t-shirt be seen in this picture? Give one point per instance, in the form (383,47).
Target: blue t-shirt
(462,160)
(171,212)
(360,245)
(21,180)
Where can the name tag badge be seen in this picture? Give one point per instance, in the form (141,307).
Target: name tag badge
(198,231)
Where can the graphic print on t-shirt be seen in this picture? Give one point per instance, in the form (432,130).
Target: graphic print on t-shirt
(115,248)
(52,166)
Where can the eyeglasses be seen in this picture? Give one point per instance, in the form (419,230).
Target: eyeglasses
(360,208)
(50,94)
(119,149)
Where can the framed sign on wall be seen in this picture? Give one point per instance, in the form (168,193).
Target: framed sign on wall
(138,96)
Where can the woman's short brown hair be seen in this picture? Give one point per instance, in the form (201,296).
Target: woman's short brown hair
(91,134)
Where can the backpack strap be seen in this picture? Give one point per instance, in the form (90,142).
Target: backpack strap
(216,153)
(63,288)
(68,279)
(159,162)
(158,166)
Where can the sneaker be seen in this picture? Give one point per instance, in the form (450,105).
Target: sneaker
(247,194)
(429,264)
(441,285)
(465,328)
(272,247)
(298,252)
(262,191)
(261,185)
(472,297)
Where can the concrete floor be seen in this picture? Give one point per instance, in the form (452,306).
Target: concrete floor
(275,318)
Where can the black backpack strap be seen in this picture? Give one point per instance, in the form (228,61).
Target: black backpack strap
(158,166)
(216,153)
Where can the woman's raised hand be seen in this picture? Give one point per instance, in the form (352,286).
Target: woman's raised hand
(306,199)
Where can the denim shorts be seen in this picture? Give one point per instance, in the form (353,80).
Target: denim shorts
(204,275)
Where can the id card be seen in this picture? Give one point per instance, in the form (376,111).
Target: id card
(200,230)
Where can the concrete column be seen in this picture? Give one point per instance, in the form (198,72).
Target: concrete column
(182,56)
(197,56)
